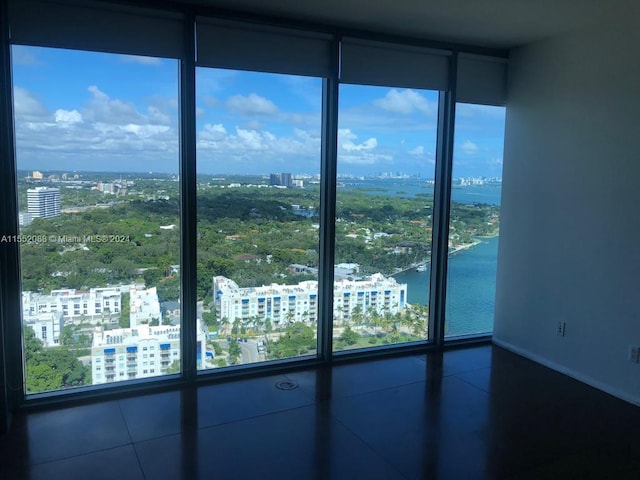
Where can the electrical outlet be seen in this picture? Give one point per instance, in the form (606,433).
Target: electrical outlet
(561,328)
(634,353)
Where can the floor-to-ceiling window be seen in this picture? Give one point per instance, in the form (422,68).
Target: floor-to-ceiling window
(258,158)
(259,98)
(384,212)
(99,212)
(474,223)
(386,157)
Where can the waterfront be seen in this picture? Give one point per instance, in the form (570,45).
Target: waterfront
(472,271)
(471,288)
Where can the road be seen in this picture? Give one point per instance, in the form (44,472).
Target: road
(249,351)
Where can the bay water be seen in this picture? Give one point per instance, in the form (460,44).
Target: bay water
(471,285)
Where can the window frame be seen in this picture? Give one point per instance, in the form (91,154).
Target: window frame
(10,276)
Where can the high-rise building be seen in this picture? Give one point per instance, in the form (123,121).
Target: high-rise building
(43,202)
(280,179)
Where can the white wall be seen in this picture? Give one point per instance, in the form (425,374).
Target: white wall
(570,223)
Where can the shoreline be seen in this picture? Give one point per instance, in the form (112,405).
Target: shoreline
(454,251)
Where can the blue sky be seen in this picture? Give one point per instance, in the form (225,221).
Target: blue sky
(93,111)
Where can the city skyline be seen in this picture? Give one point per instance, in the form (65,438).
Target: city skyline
(121,112)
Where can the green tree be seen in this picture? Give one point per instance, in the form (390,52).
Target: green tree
(51,368)
(297,340)
(349,337)
(234,352)
(210,321)
(174,367)
(66,337)
(125,311)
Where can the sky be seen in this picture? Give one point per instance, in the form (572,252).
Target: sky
(89,111)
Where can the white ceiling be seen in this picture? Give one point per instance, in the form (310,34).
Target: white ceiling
(488,23)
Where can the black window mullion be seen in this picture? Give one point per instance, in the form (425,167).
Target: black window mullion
(441,210)
(11,334)
(188,211)
(328,170)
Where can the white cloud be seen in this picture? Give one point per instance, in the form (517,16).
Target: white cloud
(246,147)
(251,104)
(155,115)
(469,147)
(68,116)
(149,61)
(368,144)
(364,153)
(307,135)
(405,102)
(346,134)
(419,150)
(107,130)
(103,109)
(27,106)
(213,133)
(495,162)
(252,139)
(346,141)
(144,131)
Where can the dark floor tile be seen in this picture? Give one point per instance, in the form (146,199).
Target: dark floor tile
(117,463)
(47,436)
(520,387)
(304,443)
(160,414)
(239,400)
(459,360)
(360,377)
(529,433)
(425,430)
(616,461)
(480,378)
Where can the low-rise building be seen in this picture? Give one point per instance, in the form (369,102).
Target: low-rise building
(46,326)
(76,306)
(143,305)
(283,304)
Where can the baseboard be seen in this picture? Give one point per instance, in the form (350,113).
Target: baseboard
(622,395)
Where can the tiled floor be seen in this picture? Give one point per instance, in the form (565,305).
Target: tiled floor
(467,414)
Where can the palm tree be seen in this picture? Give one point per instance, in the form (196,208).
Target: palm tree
(224,325)
(290,316)
(268,327)
(235,330)
(357,316)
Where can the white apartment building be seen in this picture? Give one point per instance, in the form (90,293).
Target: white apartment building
(47,327)
(283,304)
(278,303)
(140,352)
(76,306)
(378,294)
(43,202)
(144,305)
